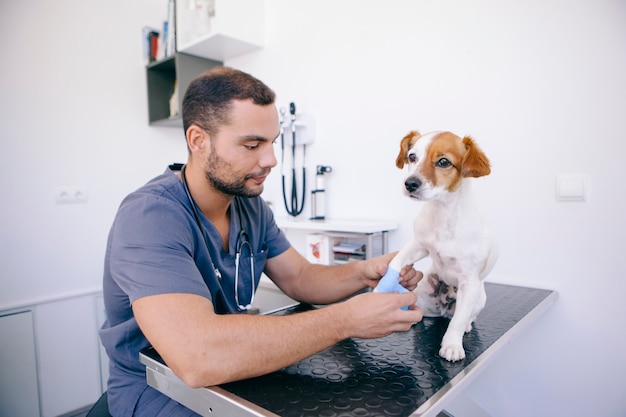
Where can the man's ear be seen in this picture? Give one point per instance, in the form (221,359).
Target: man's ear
(196,138)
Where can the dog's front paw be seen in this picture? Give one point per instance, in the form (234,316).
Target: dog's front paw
(452,352)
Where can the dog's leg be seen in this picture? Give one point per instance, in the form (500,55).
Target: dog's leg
(480,304)
(408,255)
(470,300)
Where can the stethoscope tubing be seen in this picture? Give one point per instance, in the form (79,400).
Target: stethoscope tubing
(242,239)
(294,207)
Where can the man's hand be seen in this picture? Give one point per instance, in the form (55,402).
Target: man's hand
(377,267)
(372,315)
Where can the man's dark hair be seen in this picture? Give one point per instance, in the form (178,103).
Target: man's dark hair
(208,98)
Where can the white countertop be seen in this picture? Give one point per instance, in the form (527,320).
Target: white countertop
(337,225)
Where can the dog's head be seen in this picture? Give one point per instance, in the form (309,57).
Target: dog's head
(438,162)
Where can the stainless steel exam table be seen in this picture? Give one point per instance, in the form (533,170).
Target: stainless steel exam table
(398,375)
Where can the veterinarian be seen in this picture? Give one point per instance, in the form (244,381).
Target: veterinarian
(186,252)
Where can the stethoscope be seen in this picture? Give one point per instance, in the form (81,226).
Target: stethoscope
(295,208)
(243,239)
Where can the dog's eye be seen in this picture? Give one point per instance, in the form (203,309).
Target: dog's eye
(412,158)
(444,163)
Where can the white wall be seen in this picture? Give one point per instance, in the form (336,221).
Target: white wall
(538,84)
(73,112)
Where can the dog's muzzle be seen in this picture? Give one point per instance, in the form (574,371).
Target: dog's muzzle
(412,183)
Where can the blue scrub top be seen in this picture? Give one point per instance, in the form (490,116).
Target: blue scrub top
(155,246)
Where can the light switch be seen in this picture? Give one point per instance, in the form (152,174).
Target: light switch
(571,187)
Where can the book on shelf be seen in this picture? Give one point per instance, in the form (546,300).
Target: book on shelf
(344,258)
(150,44)
(349,248)
(169,31)
(159,45)
(163,47)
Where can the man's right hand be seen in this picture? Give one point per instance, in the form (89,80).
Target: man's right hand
(373,315)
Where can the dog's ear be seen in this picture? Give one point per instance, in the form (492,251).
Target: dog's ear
(475,162)
(406,143)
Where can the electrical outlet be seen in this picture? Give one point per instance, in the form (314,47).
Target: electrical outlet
(70,195)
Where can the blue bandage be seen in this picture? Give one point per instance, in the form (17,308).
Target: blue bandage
(389,283)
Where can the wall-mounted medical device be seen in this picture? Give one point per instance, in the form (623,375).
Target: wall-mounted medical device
(296,132)
(318,195)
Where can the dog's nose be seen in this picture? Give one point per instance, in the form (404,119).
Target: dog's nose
(412,184)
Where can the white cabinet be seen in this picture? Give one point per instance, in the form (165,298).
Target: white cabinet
(67,354)
(104,358)
(346,240)
(49,362)
(19,392)
(339,241)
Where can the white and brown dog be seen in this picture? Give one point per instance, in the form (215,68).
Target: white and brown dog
(449,229)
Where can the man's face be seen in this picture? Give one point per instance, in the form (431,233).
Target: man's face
(241,154)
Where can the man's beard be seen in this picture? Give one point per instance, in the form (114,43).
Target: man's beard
(216,170)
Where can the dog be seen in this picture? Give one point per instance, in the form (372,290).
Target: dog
(449,228)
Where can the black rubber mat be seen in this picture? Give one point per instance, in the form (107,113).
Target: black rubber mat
(391,376)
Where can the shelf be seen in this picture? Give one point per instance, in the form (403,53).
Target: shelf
(219,47)
(324,244)
(161,77)
(337,225)
(176,121)
(231,29)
